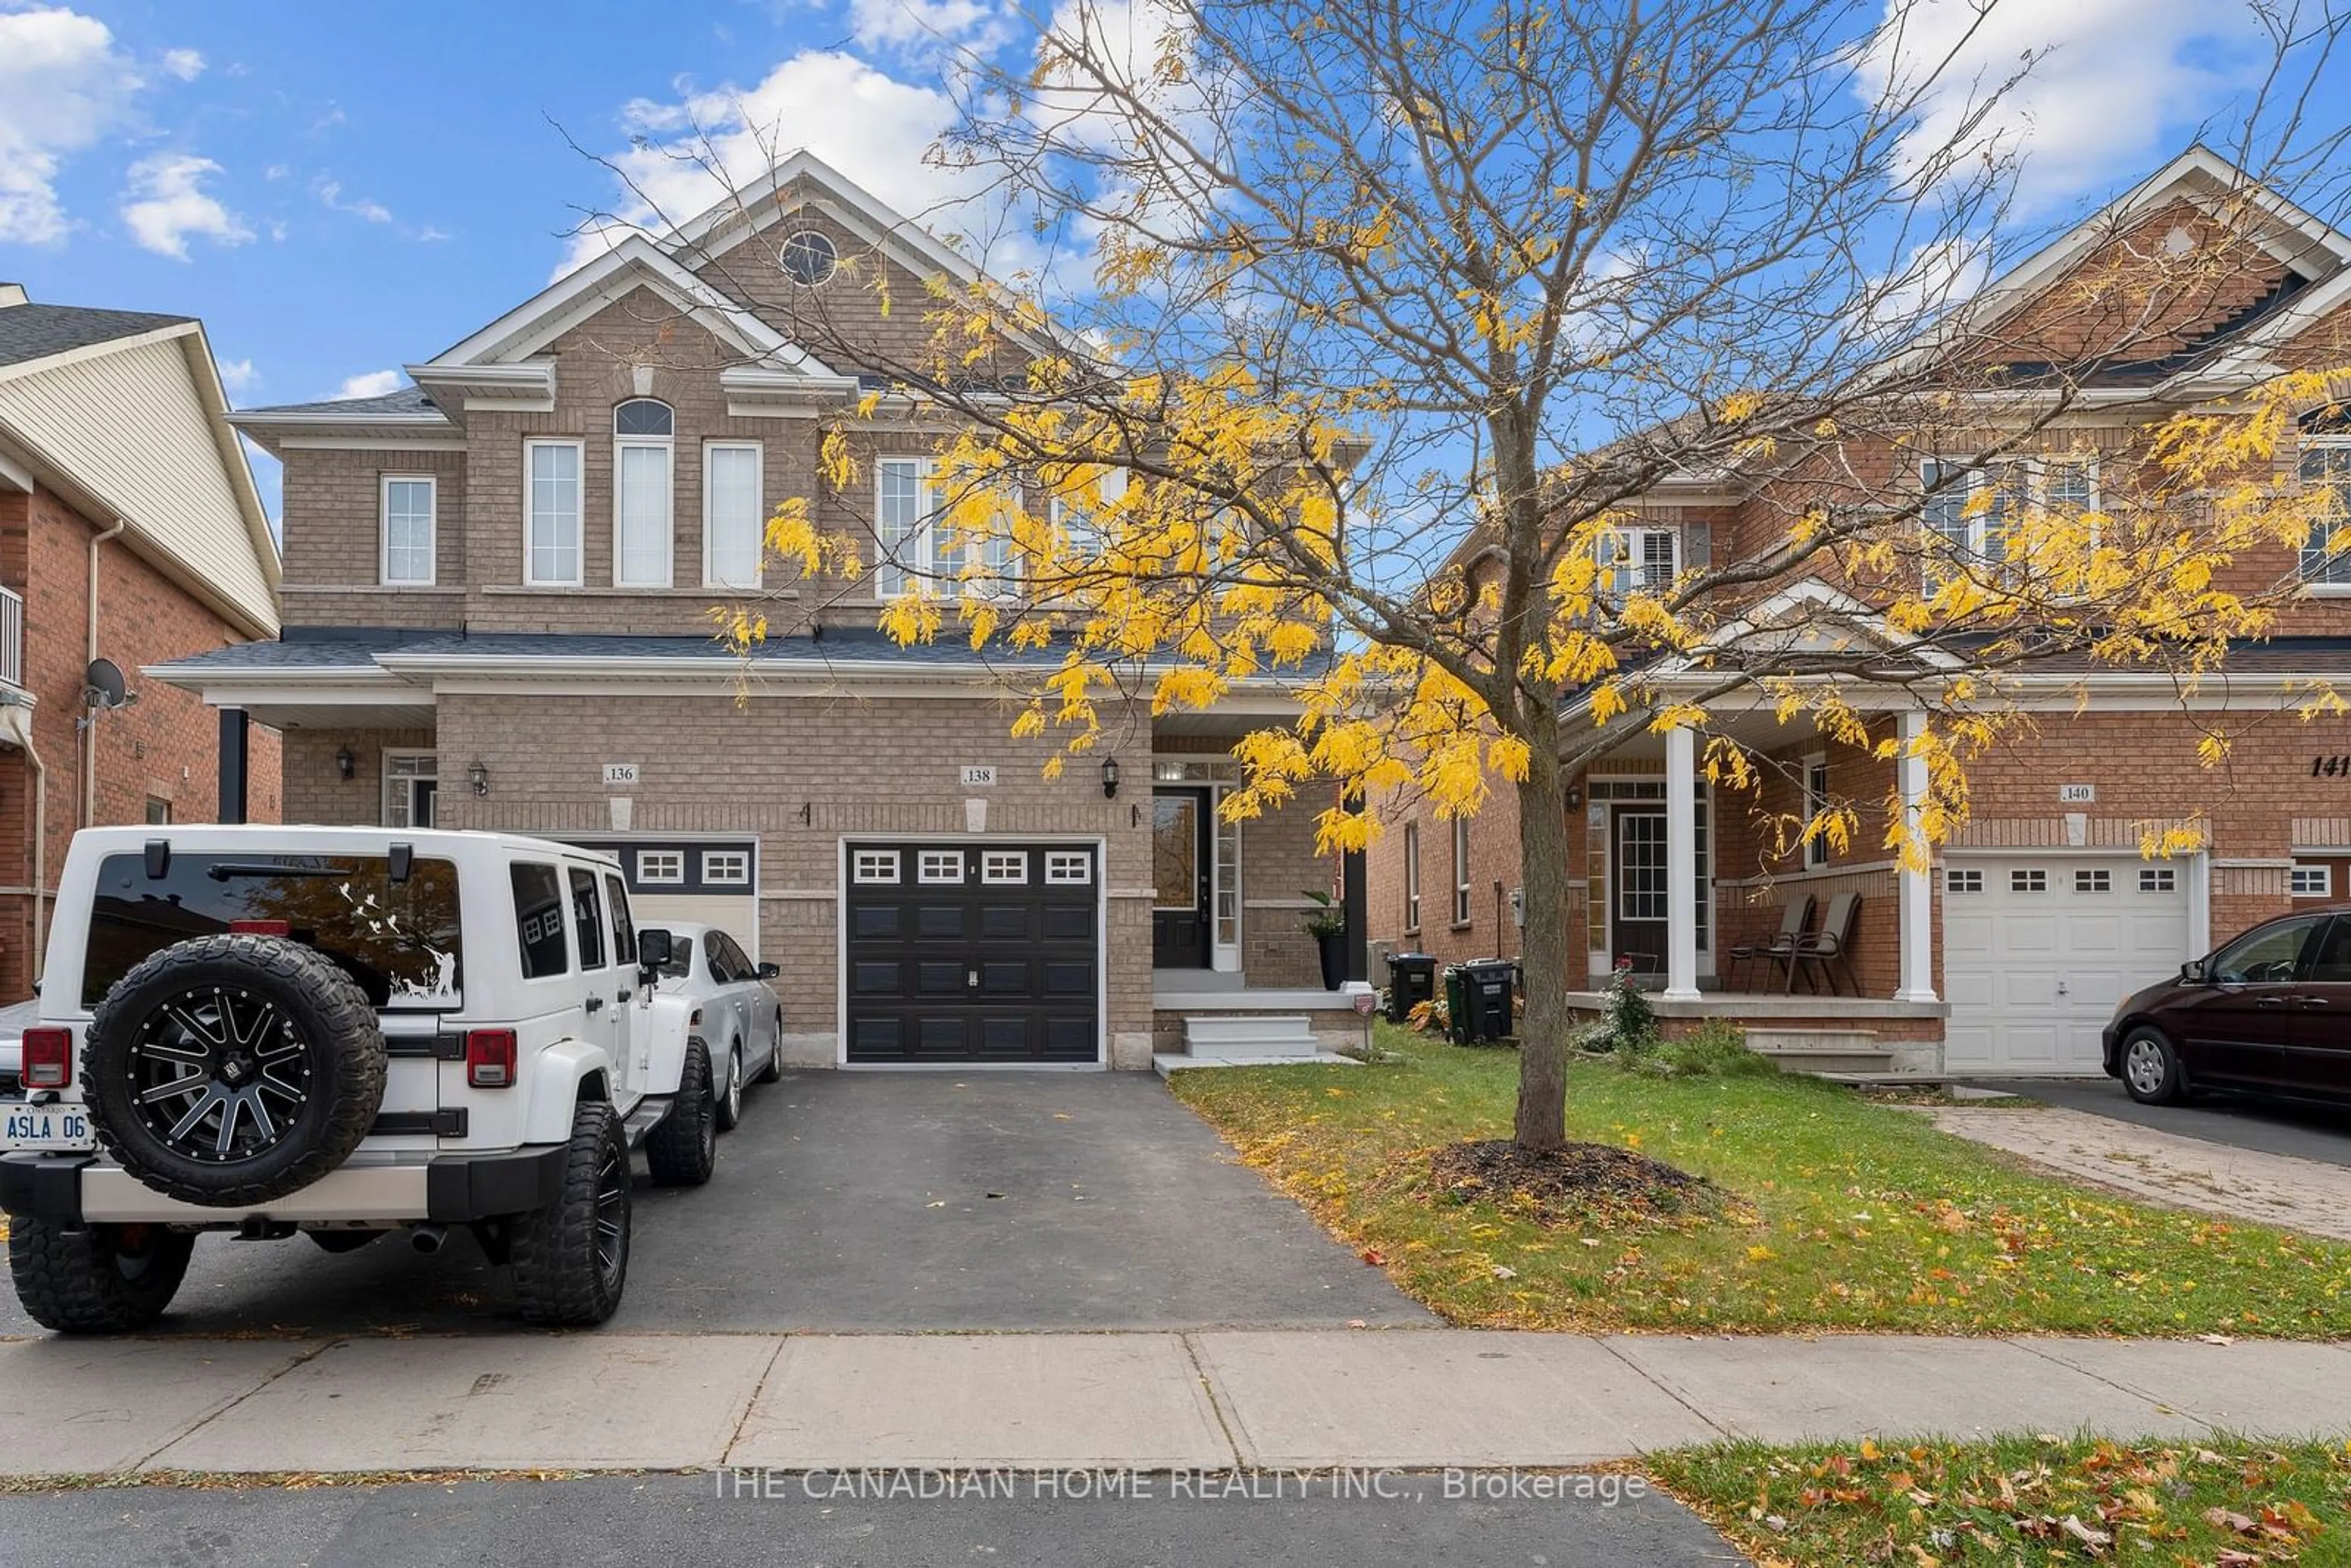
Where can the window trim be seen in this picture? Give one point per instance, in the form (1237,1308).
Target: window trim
(1412,876)
(579,511)
(646,875)
(1625,575)
(2085,880)
(1816,798)
(881,878)
(1984,477)
(2325,870)
(1461,871)
(432,483)
(2158,879)
(922,862)
(758,451)
(712,879)
(667,446)
(989,861)
(1972,884)
(2032,879)
(2323,587)
(384,759)
(1060,863)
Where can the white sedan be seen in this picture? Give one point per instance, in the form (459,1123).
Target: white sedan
(729,1008)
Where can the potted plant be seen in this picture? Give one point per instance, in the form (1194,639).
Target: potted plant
(1328,926)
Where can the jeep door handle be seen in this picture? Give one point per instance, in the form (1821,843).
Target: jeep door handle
(624,995)
(595,1004)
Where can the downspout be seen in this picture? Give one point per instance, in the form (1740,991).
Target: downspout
(17,720)
(90,719)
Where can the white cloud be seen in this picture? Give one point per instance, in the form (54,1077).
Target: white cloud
(2112,83)
(873,127)
(370,383)
(166,203)
(185,64)
(923,27)
(238,375)
(331,192)
(63,87)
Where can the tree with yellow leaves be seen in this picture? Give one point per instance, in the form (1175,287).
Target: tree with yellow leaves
(1396,321)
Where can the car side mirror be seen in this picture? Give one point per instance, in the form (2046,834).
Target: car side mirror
(2191,973)
(768,971)
(655,948)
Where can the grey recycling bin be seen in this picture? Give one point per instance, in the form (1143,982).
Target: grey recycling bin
(1485,1011)
(1412,980)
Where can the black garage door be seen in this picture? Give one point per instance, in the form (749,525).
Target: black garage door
(974,953)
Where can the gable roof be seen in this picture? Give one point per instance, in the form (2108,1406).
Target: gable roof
(123,415)
(804,179)
(35,331)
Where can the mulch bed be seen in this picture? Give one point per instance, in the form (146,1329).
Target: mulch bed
(1582,1183)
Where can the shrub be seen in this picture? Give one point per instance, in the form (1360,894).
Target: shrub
(1632,1021)
(1716,1049)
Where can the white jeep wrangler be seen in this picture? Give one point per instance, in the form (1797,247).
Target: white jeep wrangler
(341,1032)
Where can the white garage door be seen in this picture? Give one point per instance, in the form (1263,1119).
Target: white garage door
(705,881)
(2038,950)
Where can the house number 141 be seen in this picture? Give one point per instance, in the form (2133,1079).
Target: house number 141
(2329,767)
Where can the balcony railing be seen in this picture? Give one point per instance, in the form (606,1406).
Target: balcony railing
(12,637)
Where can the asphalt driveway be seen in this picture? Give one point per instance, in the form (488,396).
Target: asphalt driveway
(2305,1129)
(880,1201)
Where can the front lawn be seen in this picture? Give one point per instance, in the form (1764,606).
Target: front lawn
(2022,1501)
(1849,1215)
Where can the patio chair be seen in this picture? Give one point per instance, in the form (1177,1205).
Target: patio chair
(1794,915)
(1830,948)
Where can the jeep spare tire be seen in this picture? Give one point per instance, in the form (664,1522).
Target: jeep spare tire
(229,1070)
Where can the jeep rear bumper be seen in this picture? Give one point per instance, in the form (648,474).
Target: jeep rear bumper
(78,1189)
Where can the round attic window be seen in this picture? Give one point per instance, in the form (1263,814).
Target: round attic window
(808,259)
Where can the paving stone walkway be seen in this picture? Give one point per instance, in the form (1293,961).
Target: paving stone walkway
(2308,1195)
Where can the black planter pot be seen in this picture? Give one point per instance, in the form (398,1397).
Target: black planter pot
(1333,952)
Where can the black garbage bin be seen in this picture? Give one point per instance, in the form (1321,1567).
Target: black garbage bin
(1485,1011)
(1412,980)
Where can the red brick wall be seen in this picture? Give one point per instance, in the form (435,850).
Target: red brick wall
(164,746)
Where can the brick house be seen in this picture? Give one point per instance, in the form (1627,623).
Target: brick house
(130,532)
(2009,953)
(486,629)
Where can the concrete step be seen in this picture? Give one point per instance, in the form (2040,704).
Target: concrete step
(1167,1063)
(1821,1051)
(1826,1063)
(1288,1034)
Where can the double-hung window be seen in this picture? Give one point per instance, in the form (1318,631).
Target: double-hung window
(408,504)
(1412,876)
(1638,561)
(1972,512)
(2326,473)
(919,546)
(732,520)
(551,495)
(643,430)
(1816,811)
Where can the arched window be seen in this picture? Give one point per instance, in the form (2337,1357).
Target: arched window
(642,491)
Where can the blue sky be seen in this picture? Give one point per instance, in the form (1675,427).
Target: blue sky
(338,189)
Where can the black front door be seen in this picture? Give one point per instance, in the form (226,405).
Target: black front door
(973,952)
(1179,878)
(1637,888)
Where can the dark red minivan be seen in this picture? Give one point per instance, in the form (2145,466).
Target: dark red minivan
(2270,1012)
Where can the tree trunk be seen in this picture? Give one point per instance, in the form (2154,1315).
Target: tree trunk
(1541,1120)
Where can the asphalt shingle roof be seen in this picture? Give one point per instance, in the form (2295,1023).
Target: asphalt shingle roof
(407,400)
(35,331)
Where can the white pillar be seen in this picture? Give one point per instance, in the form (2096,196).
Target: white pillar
(1916,903)
(1681,866)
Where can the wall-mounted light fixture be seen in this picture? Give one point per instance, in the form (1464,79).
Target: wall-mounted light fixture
(478,774)
(1574,797)
(1110,777)
(345,763)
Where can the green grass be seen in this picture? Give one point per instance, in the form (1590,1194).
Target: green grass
(2210,1500)
(1854,1215)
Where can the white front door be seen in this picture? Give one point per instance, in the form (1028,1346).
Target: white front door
(2037,949)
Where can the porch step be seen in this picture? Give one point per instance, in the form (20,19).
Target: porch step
(1821,1051)
(1167,1063)
(1285,1035)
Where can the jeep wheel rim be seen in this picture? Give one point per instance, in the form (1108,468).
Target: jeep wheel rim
(218,1074)
(2145,1066)
(735,1083)
(611,1210)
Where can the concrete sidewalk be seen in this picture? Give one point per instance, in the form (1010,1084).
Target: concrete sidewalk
(1248,1400)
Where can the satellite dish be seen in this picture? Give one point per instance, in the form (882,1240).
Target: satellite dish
(102,685)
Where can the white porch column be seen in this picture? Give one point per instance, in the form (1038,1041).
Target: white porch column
(1915,906)
(1681,865)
